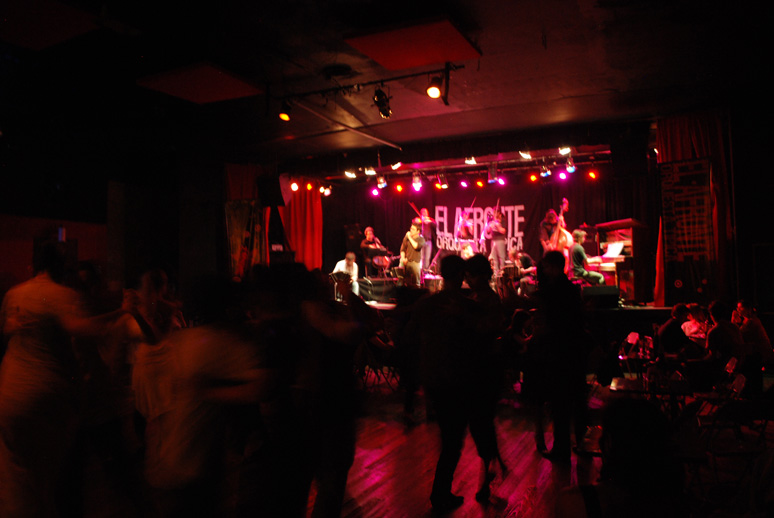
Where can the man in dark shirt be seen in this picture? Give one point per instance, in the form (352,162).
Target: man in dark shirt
(580,261)
(411,255)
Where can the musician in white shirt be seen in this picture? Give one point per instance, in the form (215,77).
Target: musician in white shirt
(348,265)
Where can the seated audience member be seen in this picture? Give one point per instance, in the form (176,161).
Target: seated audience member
(672,338)
(695,327)
(526,271)
(639,475)
(753,332)
(724,340)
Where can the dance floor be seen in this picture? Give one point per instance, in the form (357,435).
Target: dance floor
(395,461)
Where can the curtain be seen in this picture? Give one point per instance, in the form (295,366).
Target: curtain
(693,136)
(302,218)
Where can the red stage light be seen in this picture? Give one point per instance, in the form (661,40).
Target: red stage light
(480,183)
(399,187)
(592,175)
(533,177)
(309,187)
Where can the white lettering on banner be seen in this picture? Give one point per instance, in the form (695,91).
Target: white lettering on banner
(445,227)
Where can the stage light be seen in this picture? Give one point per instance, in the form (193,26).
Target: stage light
(533,177)
(396,166)
(570,165)
(592,174)
(284,113)
(491,175)
(545,172)
(399,188)
(442,181)
(294,186)
(416,182)
(350,174)
(434,88)
(501,181)
(563,175)
(322,190)
(370,171)
(381,182)
(374,192)
(382,102)
(564,151)
(464,183)
(526,155)
(479,183)
(309,186)
(471,160)
(327,191)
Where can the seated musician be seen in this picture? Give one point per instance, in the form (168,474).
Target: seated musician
(349,266)
(580,261)
(366,246)
(411,255)
(525,270)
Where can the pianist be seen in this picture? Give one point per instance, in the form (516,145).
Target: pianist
(580,261)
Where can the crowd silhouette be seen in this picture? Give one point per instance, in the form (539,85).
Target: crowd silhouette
(246,409)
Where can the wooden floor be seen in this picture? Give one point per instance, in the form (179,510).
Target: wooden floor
(395,461)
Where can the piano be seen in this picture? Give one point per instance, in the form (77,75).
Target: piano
(623,257)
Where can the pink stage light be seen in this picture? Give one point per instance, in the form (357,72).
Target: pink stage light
(375,192)
(417,186)
(501,181)
(562,176)
(464,183)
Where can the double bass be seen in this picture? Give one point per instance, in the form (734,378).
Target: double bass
(561,239)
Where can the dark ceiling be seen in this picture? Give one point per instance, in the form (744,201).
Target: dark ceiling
(113,76)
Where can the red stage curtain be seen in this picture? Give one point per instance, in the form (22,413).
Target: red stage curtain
(302,218)
(687,137)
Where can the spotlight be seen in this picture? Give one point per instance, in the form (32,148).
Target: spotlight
(471,160)
(526,155)
(370,171)
(434,88)
(416,181)
(533,177)
(382,102)
(545,172)
(491,176)
(322,190)
(562,175)
(592,174)
(479,183)
(399,188)
(564,151)
(284,113)
(464,183)
(374,192)
(381,182)
(294,186)
(442,183)
(570,165)
(501,181)
(309,187)
(396,166)
(327,191)
(350,174)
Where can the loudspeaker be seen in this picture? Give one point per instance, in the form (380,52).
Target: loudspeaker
(601,296)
